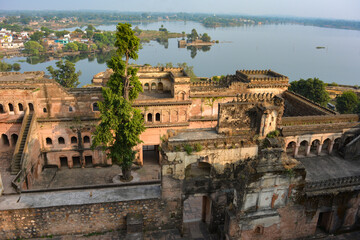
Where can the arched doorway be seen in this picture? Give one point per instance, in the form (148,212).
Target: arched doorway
(31,107)
(303,148)
(160,87)
(153,86)
(315,147)
(326,146)
(146,87)
(14,138)
(5,140)
(2,109)
(290,149)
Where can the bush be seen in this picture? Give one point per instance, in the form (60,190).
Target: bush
(188,149)
(198,147)
(273,134)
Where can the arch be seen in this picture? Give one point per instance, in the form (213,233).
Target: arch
(197,170)
(14,138)
(2,109)
(149,117)
(76,161)
(290,149)
(303,148)
(146,87)
(73,140)
(160,86)
(5,140)
(336,146)
(11,107)
(326,146)
(182,96)
(61,140)
(86,139)
(44,110)
(21,107)
(95,107)
(315,145)
(31,107)
(48,141)
(157,117)
(153,86)
(70,108)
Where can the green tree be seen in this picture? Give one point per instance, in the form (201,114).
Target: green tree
(5,67)
(188,69)
(121,124)
(347,103)
(33,48)
(37,36)
(89,34)
(65,75)
(82,47)
(71,47)
(61,34)
(313,89)
(205,37)
(193,35)
(16,66)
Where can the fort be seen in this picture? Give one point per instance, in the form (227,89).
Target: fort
(264,162)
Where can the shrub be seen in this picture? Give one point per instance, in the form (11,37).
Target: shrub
(198,147)
(188,149)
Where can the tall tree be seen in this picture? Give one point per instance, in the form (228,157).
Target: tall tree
(65,75)
(121,124)
(313,89)
(347,102)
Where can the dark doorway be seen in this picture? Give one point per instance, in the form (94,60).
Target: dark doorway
(31,107)
(88,161)
(21,108)
(5,140)
(324,221)
(63,162)
(1,109)
(11,107)
(150,155)
(76,162)
(14,138)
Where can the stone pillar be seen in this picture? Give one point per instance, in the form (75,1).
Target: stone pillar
(318,150)
(1,186)
(308,147)
(296,150)
(330,148)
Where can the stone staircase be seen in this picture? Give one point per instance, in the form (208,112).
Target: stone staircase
(15,164)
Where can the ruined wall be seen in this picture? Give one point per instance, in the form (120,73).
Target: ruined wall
(87,218)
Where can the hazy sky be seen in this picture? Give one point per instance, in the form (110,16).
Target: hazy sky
(340,9)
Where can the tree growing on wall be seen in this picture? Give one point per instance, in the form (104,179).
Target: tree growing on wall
(121,125)
(313,89)
(65,75)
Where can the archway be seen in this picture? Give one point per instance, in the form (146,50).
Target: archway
(21,108)
(14,138)
(326,146)
(5,140)
(303,148)
(146,87)
(336,146)
(149,117)
(31,107)
(315,147)
(160,86)
(157,117)
(2,109)
(290,149)
(11,107)
(153,86)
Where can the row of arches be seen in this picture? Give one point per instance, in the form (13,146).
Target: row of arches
(12,108)
(75,161)
(316,147)
(150,117)
(165,116)
(61,140)
(153,86)
(8,142)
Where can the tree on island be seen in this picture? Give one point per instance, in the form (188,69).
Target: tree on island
(65,75)
(193,35)
(121,125)
(347,103)
(205,37)
(313,89)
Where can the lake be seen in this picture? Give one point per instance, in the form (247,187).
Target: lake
(285,48)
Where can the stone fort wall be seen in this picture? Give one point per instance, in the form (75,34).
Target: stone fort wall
(85,219)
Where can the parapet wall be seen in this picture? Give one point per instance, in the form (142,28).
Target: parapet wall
(84,219)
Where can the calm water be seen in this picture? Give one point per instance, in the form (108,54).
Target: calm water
(287,49)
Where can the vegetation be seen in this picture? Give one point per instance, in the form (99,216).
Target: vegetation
(347,103)
(188,149)
(188,69)
(198,147)
(6,67)
(313,89)
(33,48)
(65,75)
(121,124)
(273,134)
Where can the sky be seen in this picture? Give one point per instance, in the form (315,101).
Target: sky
(334,9)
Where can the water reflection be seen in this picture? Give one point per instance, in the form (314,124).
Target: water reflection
(101,58)
(194,49)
